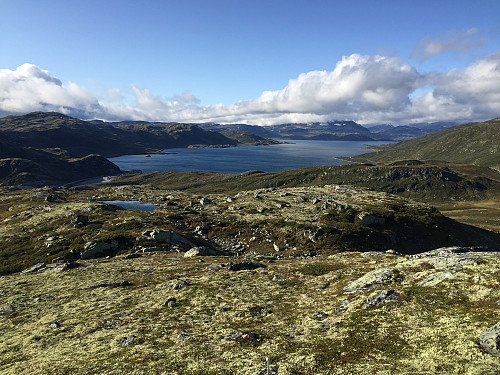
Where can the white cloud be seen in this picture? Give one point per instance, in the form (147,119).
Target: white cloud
(453,40)
(367,89)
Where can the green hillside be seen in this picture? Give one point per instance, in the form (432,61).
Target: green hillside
(474,143)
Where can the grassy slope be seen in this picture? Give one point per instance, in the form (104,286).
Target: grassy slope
(475,143)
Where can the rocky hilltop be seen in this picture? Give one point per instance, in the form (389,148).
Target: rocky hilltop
(318,279)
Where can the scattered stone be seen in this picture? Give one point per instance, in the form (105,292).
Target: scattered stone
(126,341)
(202,230)
(280,205)
(381,276)
(177,284)
(33,269)
(153,249)
(380,297)
(67,266)
(214,267)
(319,316)
(342,306)
(79,220)
(240,266)
(111,284)
(54,324)
(171,302)
(253,239)
(371,220)
(268,370)
(278,277)
(235,207)
(490,340)
(243,336)
(183,336)
(205,201)
(6,308)
(277,248)
(200,251)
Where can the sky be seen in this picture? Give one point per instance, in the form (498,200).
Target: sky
(255,62)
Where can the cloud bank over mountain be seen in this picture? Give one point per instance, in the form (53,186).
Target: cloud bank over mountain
(366,89)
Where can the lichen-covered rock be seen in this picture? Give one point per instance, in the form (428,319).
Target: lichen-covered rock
(177,284)
(380,297)
(67,266)
(381,276)
(6,309)
(490,340)
(33,269)
(200,251)
(167,236)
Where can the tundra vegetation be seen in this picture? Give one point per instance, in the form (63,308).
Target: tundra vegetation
(356,269)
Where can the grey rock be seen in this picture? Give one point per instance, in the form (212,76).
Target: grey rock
(320,315)
(243,336)
(33,269)
(277,248)
(6,308)
(178,284)
(55,324)
(109,284)
(268,370)
(167,236)
(79,220)
(99,249)
(67,266)
(490,340)
(214,267)
(368,254)
(279,277)
(381,276)
(205,201)
(240,266)
(235,207)
(200,251)
(183,336)
(380,297)
(126,341)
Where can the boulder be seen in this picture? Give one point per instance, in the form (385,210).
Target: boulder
(490,340)
(200,251)
(99,249)
(178,284)
(167,236)
(243,336)
(33,269)
(381,276)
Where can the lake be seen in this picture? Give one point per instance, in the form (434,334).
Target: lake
(272,158)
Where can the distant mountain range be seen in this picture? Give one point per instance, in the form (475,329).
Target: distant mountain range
(473,143)
(334,130)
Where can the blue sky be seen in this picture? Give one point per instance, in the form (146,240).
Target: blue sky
(252,61)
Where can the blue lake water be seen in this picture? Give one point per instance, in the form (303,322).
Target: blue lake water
(272,158)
